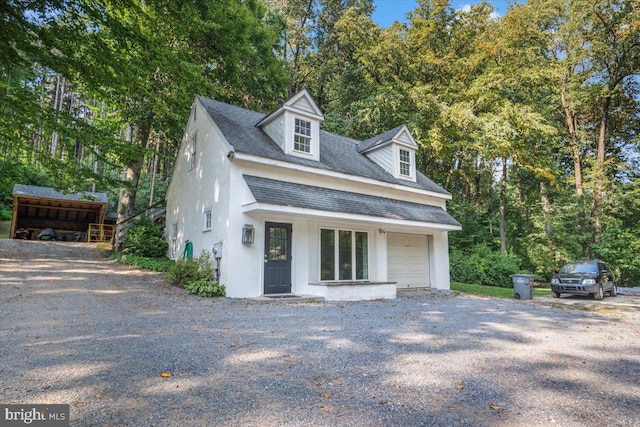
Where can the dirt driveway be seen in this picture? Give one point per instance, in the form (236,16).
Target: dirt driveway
(79,329)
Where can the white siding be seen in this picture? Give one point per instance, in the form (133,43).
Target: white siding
(276,130)
(408,260)
(304,105)
(404,137)
(384,158)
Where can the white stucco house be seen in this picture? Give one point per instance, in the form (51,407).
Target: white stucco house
(287,208)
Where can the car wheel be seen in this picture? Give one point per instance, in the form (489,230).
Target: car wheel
(614,291)
(599,294)
(556,294)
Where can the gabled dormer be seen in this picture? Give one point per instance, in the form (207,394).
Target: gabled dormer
(295,126)
(394,151)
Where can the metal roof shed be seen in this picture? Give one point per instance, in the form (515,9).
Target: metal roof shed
(36,208)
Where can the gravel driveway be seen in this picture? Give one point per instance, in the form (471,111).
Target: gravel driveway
(78,329)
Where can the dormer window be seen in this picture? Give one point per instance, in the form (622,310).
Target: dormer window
(405,163)
(394,151)
(302,136)
(295,127)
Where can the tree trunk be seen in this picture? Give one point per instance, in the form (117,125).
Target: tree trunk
(156,160)
(599,172)
(574,142)
(503,197)
(546,211)
(126,204)
(58,103)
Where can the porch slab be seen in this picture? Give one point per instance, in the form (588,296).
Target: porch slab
(288,298)
(353,291)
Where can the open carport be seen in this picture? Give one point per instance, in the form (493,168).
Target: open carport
(76,214)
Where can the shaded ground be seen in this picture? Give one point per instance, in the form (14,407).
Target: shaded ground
(77,329)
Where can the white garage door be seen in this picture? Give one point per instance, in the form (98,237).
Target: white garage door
(408,260)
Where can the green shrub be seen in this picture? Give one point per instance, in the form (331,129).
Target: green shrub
(482,266)
(205,288)
(5,214)
(145,239)
(153,264)
(183,272)
(196,276)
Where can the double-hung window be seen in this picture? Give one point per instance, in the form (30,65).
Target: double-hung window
(344,254)
(207,220)
(302,136)
(405,162)
(193,151)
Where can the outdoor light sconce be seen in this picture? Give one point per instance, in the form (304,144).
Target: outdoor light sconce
(248,233)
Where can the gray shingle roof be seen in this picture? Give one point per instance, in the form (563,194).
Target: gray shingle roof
(50,193)
(304,196)
(337,153)
(378,139)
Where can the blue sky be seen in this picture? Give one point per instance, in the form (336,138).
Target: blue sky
(388,11)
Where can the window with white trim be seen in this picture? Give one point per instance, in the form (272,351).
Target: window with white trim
(405,162)
(302,136)
(206,226)
(344,254)
(193,151)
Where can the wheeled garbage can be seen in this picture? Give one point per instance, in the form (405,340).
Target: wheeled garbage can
(522,285)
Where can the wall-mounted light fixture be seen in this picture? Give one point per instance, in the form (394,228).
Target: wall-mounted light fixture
(248,234)
(381,230)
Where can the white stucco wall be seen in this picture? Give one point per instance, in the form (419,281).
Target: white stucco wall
(440,277)
(207,185)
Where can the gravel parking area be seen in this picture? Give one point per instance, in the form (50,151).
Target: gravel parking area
(79,329)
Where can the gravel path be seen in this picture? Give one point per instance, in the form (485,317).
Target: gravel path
(77,329)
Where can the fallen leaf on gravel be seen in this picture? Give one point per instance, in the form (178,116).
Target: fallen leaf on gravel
(166,375)
(496,407)
(326,395)
(382,401)
(326,408)
(98,396)
(278,374)
(452,408)
(460,385)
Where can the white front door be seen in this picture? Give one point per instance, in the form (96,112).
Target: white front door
(408,260)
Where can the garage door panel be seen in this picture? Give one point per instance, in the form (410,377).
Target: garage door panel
(408,260)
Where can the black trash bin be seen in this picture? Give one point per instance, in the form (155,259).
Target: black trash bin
(522,285)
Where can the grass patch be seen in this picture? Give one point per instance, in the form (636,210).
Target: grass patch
(5,228)
(494,291)
(154,264)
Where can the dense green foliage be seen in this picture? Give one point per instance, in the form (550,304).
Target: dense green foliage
(530,119)
(206,288)
(145,239)
(196,276)
(162,265)
(483,266)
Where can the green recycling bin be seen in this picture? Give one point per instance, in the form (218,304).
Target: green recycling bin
(522,285)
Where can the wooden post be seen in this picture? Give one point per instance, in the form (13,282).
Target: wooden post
(14,218)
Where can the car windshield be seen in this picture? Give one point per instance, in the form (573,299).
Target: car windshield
(580,268)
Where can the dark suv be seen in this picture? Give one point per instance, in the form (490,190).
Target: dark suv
(584,278)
